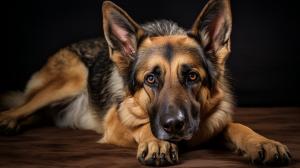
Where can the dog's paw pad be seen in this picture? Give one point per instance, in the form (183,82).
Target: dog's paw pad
(157,153)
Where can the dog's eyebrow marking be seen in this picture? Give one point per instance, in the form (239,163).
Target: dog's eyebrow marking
(166,50)
(190,50)
(169,51)
(157,70)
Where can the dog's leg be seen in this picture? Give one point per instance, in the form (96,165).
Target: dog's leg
(130,128)
(152,151)
(64,76)
(258,148)
(29,122)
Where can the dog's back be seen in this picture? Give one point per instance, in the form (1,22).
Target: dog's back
(101,85)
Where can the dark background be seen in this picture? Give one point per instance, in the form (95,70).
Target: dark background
(264,63)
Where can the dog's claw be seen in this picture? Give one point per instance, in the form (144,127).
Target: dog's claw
(276,157)
(173,156)
(8,125)
(285,159)
(260,158)
(144,154)
(157,153)
(268,152)
(154,156)
(164,160)
(261,155)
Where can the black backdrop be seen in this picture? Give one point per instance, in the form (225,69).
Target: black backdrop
(265,48)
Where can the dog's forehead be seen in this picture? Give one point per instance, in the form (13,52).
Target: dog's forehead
(173,40)
(169,53)
(170,49)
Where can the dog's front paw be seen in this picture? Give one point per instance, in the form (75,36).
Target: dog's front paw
(8,124)
(157,153)
(268,152)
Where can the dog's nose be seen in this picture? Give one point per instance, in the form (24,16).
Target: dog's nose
(173,124)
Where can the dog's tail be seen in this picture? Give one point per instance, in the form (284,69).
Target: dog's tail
(11,99)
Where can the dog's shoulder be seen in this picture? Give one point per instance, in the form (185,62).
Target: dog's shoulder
(91,50)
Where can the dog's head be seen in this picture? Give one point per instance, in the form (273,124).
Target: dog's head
(171,73)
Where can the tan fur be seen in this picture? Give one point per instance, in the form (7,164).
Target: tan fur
(250,143)
(63,76)
(149,64)
(130,128)
(175,40)
(155,147)
(115,132)
(214,123)
(132,114)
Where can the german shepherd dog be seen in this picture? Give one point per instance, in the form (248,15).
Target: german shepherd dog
(148,86)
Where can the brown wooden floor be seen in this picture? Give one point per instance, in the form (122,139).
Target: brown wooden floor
(53,147)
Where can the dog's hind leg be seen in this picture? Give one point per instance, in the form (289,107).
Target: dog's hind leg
(64,76)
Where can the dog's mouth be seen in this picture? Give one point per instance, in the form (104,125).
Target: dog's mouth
(186,135)
(177,139)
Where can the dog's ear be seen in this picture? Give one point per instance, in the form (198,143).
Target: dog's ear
(213,28)
(121,33)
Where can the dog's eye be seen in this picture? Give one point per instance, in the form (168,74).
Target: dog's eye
(192,77)
(150,79)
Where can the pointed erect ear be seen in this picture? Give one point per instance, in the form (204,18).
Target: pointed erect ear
(213,27)
(120,31)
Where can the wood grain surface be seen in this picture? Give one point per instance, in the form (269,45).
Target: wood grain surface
(54,147)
